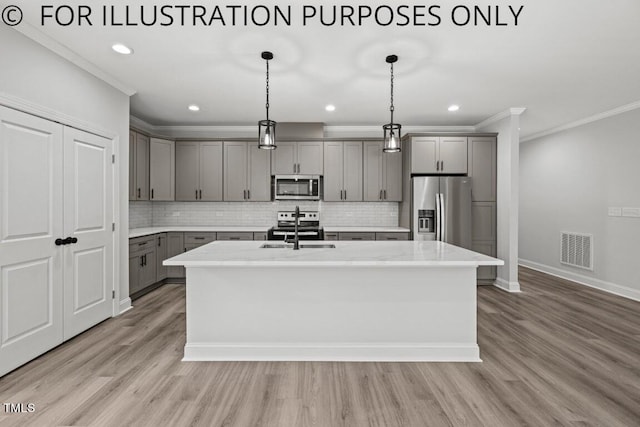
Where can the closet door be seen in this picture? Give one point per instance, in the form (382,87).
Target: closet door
(88,215)
(30,221)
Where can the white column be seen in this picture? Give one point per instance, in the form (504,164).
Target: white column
(507,125)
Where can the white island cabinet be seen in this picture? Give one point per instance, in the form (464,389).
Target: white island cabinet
(359,301)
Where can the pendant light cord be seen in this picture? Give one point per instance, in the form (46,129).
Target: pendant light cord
(391,108)
(267,104)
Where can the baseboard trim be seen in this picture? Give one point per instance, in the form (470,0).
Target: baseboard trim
(348,352)
(591,282)
(125,305)
(512,287)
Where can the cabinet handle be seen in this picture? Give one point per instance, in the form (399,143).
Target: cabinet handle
(248,194)
(234,238)
(198,238)
(380,195)
(152,193)
(345,194)
(441,165)
(196,194)
(200,194)
(138,193)
(385,194)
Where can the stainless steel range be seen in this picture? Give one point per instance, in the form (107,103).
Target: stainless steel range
(308,229)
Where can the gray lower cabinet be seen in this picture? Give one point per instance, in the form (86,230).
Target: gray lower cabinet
(331,236)
(260,235)
(483,215)
(392,236)
(142,263)
(161,255)
(382,174)
(356,236)
(175,246)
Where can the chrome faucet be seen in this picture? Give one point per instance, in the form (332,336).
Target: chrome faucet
(296,237)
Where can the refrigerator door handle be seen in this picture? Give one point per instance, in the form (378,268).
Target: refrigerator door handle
(438,217)
(443,225)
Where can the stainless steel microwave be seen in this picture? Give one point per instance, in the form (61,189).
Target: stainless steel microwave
(297,187)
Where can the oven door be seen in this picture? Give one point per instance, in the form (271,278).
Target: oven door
(297,187)
(280,234)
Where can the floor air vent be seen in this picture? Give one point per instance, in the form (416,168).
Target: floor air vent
(576,249)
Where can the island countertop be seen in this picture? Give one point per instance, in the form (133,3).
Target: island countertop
(345,253)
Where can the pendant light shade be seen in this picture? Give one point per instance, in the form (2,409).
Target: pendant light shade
(391,130)
(267,128)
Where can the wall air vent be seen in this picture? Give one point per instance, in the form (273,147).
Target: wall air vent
(576,249)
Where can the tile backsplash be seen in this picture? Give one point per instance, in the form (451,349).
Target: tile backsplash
(146,214)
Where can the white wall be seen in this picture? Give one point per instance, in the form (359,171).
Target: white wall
(38,81)
(567,182)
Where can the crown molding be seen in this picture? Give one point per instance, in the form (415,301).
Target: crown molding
(41,38)
(515,111)
(585,121)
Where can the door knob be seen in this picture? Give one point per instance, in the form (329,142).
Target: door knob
(59,242)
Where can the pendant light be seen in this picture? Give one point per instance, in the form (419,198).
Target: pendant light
(267,128)
(391,130)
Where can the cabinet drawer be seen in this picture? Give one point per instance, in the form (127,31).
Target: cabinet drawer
(330,236)
(240,235)
(260,236)
(392,236)
(141,244)
(357,236)
(198,238)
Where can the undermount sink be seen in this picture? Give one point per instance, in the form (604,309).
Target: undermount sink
(318,246)
(302,246)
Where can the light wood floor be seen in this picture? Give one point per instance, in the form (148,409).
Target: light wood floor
(557,354)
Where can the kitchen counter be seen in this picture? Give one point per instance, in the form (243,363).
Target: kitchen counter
(145,231)
(380,253)
(360,301)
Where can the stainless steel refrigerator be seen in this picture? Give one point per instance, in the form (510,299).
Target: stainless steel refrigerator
(441,209)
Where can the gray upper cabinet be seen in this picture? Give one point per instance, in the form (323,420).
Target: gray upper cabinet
(482,168)
(199,170)
(304,158)
(439,154)
(382,174)
(161,169)
(247,172)
(138,166)
(342,171)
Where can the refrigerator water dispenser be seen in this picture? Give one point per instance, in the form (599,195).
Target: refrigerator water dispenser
(426,220)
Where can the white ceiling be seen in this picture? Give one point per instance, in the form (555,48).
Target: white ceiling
(566,60)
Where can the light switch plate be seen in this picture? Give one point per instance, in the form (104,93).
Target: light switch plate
(632,212)
(615,211)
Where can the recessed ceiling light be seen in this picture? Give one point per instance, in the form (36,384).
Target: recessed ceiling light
(120,48)
(330,107)
(454,108)
(194,107)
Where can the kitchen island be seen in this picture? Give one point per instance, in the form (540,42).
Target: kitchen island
(357,301)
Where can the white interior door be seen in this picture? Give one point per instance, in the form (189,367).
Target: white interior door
(88,215)
(30,221)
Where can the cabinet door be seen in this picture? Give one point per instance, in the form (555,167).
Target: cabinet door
(284,159)
(161,169)
(373,158)
(357,236)
(333,167)
(235,171)
(483,215)
(482,168)
(230,235)
(187,175)
(424,154)
(132,166)
(142,167)
(453,154)
(148,270)
(175,246)
(211,171)
(161,255)
(310,158)
(261,235)
(392,177)
(392,236)
(485,272)
(259,174)
(135,264)
(352,171)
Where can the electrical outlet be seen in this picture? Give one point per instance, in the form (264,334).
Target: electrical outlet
(632,212)
(615,211)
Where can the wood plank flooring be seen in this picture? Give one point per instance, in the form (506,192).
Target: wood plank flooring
(556,354)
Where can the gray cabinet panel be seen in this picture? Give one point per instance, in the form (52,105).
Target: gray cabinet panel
(424,154)
(333,167)
(392,177)
(392,236)
(482,168)
(284,158)
(236,235)
(484,220)
(142,167)
(260,235)
(235,171)
(211,171)
(161,169)
(352,171)
(161,255)
(187,165)
(453,154)
(199,239)
(259,189)
(331,236)
(175,246)
(372,171)
(132,165)
(310,158)
(356,236)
